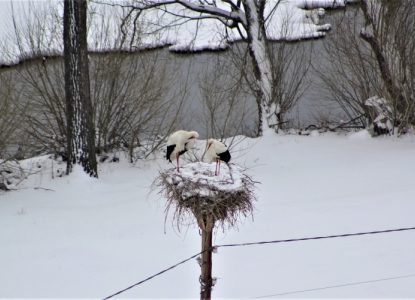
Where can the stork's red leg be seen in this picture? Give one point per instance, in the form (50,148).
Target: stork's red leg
(219,167)
(177,159)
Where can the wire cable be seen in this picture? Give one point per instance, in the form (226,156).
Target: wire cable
(335,286)
(316,238)
(151,277)
(262,243)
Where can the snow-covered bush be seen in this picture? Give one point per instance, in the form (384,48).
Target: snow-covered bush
(11,174)
(382,114)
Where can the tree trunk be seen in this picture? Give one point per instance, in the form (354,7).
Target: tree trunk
(79,112)
(259,52)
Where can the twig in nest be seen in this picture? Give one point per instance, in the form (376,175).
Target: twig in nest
(196,192)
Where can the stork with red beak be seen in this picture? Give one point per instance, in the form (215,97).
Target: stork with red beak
(219,152)
(178,143)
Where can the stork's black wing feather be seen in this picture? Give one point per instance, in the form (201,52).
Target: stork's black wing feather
(225,156)
(170,149)
(183,151)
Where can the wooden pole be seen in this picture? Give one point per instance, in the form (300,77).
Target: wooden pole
(206,259)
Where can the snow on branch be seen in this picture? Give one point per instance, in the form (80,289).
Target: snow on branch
(214,24)
(238,15)
(186,25)
(309,4)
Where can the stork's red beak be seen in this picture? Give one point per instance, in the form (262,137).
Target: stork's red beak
(209,146)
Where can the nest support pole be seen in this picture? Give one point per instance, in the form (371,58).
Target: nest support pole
(212,200)
(206,224)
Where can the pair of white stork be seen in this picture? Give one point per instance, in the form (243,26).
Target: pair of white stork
(181,141)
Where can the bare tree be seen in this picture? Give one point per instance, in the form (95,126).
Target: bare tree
(137,97)
(346,71)
(388,30)
(11,117)
(250,21)
(227,106)
(12,135)
(141,97)
(291,63)
(369,69)
(79,113)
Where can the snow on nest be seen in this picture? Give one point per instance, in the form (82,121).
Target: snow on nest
(229,179)
(197,192)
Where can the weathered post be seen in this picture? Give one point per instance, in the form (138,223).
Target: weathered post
(212,200)
(206,225)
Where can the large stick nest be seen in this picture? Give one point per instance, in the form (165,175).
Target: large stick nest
(197,192)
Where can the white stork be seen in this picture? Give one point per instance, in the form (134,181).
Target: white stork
(217,151)
(178,143)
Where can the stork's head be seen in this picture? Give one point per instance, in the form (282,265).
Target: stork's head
(193,135)
(210,142)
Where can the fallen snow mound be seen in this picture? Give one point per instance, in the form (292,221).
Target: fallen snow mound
(361,135)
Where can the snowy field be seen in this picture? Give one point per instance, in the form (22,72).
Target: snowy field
(78,237)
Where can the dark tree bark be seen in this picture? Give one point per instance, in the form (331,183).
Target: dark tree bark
(79,112)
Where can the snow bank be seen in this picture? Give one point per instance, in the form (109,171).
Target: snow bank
(361,135)
(90,241)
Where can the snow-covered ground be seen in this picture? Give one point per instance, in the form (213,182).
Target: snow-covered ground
(78,237)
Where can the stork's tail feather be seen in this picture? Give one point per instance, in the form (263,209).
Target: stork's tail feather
(169,151)
(225,156)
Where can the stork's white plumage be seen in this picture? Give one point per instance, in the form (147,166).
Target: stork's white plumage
(217,151)
(178,143)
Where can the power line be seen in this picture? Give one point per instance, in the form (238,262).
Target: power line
(262,243)
(316,238)
(151,277)
(335,286)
